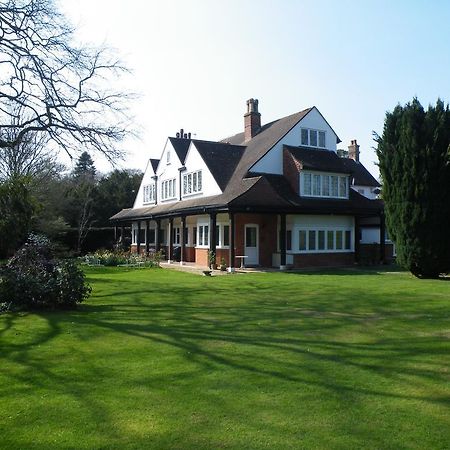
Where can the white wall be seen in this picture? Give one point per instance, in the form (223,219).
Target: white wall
(272,162)
(168,171)
(146,179)
(195,162)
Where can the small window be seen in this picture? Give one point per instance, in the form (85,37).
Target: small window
(334,186)
(313,138)
(325,185)
(302,240)
(330,240)
(316,185)
(307,184)
(305,140)
(342,186)
(321,240)
(288,240)
(311,240)
(338,240)
(322,139)
(226,235)
(168,157)
(348,240)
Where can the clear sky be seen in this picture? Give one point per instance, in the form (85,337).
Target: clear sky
(196,62)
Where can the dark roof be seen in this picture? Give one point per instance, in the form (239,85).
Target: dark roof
(154,163)
(323,160)
(220,158)
(230,161)
(181,147)
(362,177)
(329,161)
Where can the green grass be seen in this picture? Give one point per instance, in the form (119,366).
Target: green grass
(158,359)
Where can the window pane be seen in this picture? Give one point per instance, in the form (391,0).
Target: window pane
(312,240)
(322,139)
(151,236)
(316,184)
(330,240)
(200,235)
(142,235)
(184,184)
(305,136)
(186,236)
(339,240)
(194,236)
(218,235)
(288,240)
(206,235)
(199,181)
(307,184)
(250,237)
(321,239)
(348,240)
(325,185)
(334,186)
(194,182)
(313,138)
(189,183)
(342,186)
(302,240)
(226,235)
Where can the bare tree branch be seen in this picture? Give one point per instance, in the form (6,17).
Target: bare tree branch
(61,90)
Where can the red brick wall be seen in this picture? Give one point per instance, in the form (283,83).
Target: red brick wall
(291,170)
(201,257)
(324,260)
(267,235)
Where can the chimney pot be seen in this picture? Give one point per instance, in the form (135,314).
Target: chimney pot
(252,119)
(353,150)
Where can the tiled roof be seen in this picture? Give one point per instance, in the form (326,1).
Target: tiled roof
(220,158)
(230,162)
(327,161)
(154,163)
(181,147)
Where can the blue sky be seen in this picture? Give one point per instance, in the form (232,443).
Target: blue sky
(195,63)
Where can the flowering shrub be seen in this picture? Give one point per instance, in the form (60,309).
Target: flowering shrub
(33,278)
(121,258)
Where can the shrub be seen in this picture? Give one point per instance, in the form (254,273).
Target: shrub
(118,257)
(33,278)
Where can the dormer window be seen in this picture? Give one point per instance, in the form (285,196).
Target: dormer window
(316,184)
(168,157)
(313,138)
(168,189)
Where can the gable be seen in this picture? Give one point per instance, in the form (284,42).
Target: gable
(147,179)
(272,161)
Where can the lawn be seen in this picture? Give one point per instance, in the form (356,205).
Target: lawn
(158,359)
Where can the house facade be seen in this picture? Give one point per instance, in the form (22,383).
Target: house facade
(273,195)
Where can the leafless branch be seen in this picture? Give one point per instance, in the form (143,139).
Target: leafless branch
(61,90)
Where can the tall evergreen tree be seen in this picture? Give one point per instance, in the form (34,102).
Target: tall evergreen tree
(414,161)
(84,167)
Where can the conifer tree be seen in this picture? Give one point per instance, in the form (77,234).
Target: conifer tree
(414,161)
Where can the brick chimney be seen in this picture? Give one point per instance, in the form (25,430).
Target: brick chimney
(353,150)
(252,119)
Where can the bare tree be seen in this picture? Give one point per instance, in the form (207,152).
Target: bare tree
(50,85)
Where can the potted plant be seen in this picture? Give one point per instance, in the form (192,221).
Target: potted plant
(223,265)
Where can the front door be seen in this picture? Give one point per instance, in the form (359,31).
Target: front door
(251,245)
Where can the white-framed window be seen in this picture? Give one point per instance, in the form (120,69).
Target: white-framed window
(192,182)
(149,193)
(313,138)
(168,189)
(202,235)
(176,236)
(168,157)
(320,240)
(222,235)
(316,184)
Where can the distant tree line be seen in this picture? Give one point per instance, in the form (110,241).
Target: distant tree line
(64,206)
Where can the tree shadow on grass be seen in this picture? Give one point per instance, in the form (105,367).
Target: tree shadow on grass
(280,334)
